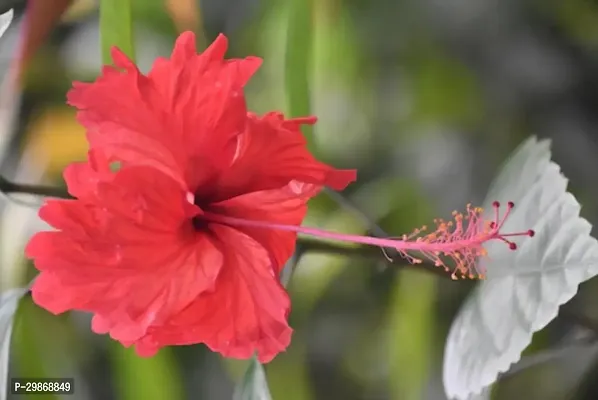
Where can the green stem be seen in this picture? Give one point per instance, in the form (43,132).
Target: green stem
(298,61)
(116,28)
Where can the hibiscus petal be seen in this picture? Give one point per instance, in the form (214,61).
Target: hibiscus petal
(246,313)
(82,178)
(282,144)
(205,96)
(148,198)
(133,258)
(186,110)
(45,293)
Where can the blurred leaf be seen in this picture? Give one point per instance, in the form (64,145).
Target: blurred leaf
(291,370)
(254,385)
(5,20)
(46,345)
(412,321)
(9,302)
(316,272)
(444,89)
(525,288)
(10,95)
(186,15)
(116,28)
(42,17)
(578,17)
(154,378)
(298,60)
(79,9)
(336,52)
(154,15)
(341,87)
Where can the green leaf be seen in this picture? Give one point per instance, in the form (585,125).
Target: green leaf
(44,344)
(298,60)
(5,21)
(9,302)
(444,90)
(116,28)
(154,378)
(254,385)
(412,326)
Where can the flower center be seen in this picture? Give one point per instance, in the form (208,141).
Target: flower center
(200,223)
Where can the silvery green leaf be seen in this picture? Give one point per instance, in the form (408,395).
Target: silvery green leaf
(9,301)
(5,20)
(9,92)
(254,385)
(485,394)
(524,288)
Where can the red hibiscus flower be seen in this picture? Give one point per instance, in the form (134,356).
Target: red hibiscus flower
(147,248)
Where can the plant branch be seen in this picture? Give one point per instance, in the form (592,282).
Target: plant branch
(304,245)
(375,230)
(308,245)
(8,187)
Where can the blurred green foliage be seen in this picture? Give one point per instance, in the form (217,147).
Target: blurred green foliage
(116,28)
(316,61)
